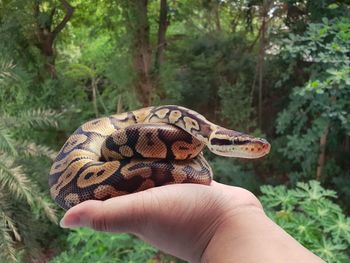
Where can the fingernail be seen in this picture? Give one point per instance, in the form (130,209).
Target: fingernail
(70,222)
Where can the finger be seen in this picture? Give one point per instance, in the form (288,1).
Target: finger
(116,214)
(130,213)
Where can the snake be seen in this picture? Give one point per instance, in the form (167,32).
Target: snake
(136,150)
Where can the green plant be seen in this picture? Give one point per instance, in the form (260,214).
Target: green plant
(21,200)
(86,245)
(310,215)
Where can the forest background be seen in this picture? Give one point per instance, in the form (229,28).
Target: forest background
(275,69)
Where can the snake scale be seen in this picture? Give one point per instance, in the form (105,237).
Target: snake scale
(133,151)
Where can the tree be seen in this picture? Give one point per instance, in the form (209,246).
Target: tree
(46,32)
(317,112)
(136,19)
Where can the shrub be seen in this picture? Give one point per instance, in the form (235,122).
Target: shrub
(311,216)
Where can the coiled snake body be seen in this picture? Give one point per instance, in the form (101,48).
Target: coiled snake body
(133,151)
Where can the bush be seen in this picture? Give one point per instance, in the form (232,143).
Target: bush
(310,215)
(86,245)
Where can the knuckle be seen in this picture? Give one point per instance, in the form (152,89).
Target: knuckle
(98,220)
(99,224)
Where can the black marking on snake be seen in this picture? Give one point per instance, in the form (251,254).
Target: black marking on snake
(168,142)
(149,138)
(161,172)
(133,135)
(101,172)
(131,116)
(190,171)
(241,142)
(58,165)
(58,186)
(63,151)
(110,144)
(230,133)
(203,127)
(89,175)
(95,122)
(85,193)
(54,177)
(218,141)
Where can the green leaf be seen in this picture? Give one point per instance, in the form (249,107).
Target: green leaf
(333,6)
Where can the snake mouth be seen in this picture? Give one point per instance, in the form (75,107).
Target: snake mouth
(255,149)
(250,149)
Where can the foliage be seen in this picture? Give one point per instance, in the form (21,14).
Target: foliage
(322,103)
(86,245)
(21,201)
(231,172)
(311,216)
(218,68)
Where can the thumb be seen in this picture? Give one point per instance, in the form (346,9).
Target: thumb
(121,214)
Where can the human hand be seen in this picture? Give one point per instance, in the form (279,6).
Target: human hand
(216,223)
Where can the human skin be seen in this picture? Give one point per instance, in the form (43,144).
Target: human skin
(197,223)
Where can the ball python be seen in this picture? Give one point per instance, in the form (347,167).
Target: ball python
(133,151)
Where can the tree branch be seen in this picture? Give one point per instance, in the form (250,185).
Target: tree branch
(36,9)
(52,13)
(62,24)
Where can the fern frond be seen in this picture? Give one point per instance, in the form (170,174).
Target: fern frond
(33,149)
(5,214)
(7,144)
(7,220)
(13,178)
(6,71)
(8,121)
(7,250)
(48,208)
(39,118)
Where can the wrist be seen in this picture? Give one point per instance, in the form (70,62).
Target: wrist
(248,235)
(234,232)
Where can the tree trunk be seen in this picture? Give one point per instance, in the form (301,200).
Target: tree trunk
(45,35)
(217,16)
(137,22)
(261,60)
(94,83)
(322,155)
(162,27)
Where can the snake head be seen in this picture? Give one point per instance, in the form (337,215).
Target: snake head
(230,143)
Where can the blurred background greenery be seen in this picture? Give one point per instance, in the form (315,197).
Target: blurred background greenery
(276,69)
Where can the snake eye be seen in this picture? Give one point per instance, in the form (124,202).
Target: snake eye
(217,141)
